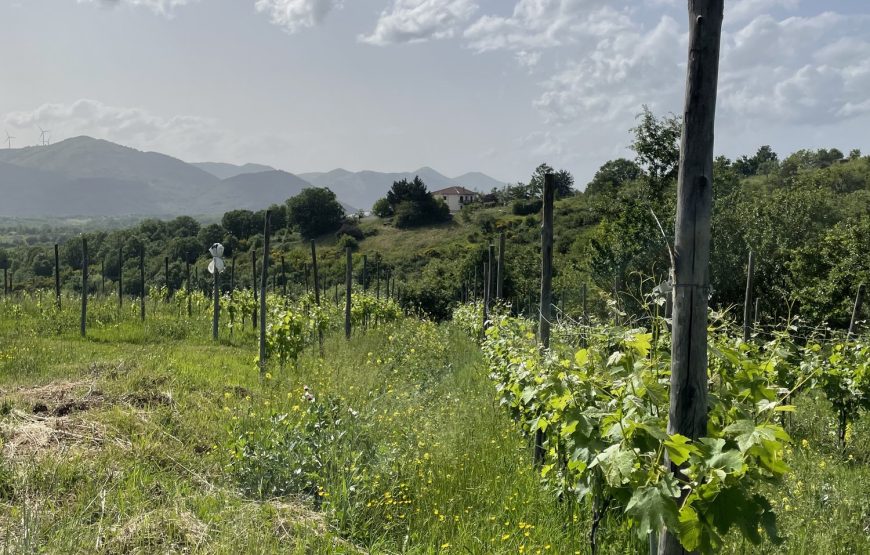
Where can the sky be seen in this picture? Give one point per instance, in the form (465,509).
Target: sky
(497,86)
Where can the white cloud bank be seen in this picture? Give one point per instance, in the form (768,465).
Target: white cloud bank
(295,15)
(420,20)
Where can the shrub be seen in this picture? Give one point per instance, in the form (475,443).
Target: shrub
(526,207)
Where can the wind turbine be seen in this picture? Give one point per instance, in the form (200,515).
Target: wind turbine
(42,134)
(9,140)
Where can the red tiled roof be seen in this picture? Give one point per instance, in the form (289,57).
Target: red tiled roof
(454,191)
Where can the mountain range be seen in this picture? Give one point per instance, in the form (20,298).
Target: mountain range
(83,176)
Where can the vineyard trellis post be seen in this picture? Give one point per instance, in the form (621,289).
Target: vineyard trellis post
(264,282)
(316,290)
(747,302)
(348,289)
(142,279)
(216,302)
(84,321)
(254,286)
(378,276)
(499,288)
(187,275)
(120,277)
(688,394)
(56,275)
(545,308)
(856,312)
(283,278)
(487,290)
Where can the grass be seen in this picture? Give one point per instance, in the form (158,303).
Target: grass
(151,439)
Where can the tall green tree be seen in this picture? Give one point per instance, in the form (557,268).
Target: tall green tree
(315,211)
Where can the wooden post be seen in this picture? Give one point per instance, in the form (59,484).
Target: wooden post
(233,276)
(348,286)
(142,279)
(120,277)
(56,275)
(856,312)
(283,277)
(499,289)
(378,276)
(688,395)
(747,300)
(487,290)
(546,301)
(254,285)
(216,305)
(316,276)
(189,301)
(264,281)
(84,322)
(166,277)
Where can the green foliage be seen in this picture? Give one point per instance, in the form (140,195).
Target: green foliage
(315,211)
(382,208)
(612,176)
(413,205)
(526,207)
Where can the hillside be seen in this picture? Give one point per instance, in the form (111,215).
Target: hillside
(226,171)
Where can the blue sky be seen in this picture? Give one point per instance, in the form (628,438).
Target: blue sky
(392,85)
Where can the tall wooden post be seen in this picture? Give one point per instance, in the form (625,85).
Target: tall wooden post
(747,300)
(856,312)
(499,289)
(378,276)
(142,280)
(316,289)
(84,321)
(189,299)
(264,282)
(56,275)
(348,286)
(120,277)
(283,278)
(546,306)
(216,305)
(254,285)
(688,396)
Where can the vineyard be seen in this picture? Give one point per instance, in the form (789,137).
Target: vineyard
(413,436)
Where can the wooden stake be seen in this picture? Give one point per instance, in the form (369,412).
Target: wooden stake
(688,395)
(216,306)
(348,286)
(546,301)
(120,277)
(283,278)
(84,321)
(142,279)
(57,275)
(747,300)
(264,282)
(189,301)
(254,285)
(499,289)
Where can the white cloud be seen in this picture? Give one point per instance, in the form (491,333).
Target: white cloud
(420,20)
(134,127)
(618,75)
(742,10)
(162,7)
(295,15)
(539,24)
(812,70)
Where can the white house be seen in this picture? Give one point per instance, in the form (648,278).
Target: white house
(455,197)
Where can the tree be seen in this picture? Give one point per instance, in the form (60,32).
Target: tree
(657,145)
(382,208)
(315,211)
(209,235)
(4,260)
(610,177)
(183,226)
(239,223)
(413,205)
(564,182)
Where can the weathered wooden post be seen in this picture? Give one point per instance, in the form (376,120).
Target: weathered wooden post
(747,300)
(348,286)
(856,312)
(216,300)
(688,395)
(84,322)
(120,277)
(316,290)
(378,276)
(56,275)
(189,300)
(283,278)
(142,279)
(254,286)
(487,289)
(546,301)
(264,282)
(499,289)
